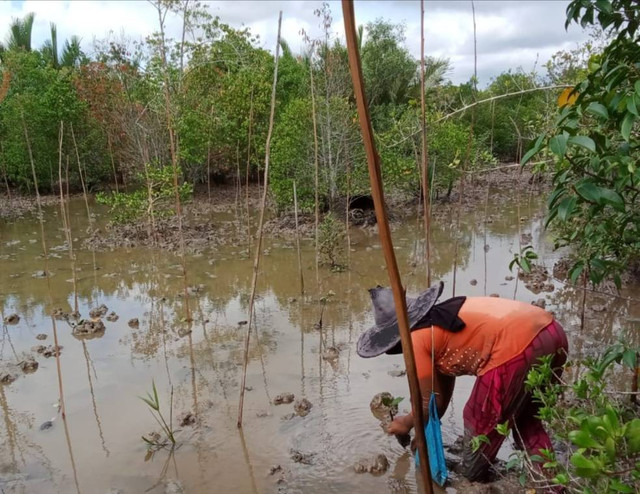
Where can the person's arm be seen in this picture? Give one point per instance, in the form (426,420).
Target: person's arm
(444,386)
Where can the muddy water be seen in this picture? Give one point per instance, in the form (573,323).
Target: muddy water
(101,449)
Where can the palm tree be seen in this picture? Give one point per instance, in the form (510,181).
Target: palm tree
(72,54)
(19,35)
(50,47)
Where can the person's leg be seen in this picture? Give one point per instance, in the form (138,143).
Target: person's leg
(481,415)
(529,433)
(499,396)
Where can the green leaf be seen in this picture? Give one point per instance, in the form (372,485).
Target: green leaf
(618,486)
(576,271)
(534,150)
(566,207)
(604,6)
(598,109)
(631,105)
(630,358)
(561,479)
(589,191)
(632,435)
(627,124)
(558,145)
(585,467)
(611,197)
(637,87)
(396,401)
(583,439)
(503,429)
(583,141)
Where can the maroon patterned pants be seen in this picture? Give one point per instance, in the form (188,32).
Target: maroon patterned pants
(499,395)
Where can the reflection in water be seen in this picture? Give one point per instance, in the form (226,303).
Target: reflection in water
(69,447)
(247,460)
(87,359)
(202,360)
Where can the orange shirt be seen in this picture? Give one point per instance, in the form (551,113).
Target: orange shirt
(496,330)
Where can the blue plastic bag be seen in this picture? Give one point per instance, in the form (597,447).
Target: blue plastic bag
(433,434)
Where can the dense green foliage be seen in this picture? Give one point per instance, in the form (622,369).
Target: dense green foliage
(206,96)
(595,147)
(599,426)
(156,200)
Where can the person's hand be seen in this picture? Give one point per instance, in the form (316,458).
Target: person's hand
(398,427)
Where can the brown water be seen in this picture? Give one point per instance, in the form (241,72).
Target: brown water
(101,447)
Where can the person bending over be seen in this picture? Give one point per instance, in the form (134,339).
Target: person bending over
(495,339)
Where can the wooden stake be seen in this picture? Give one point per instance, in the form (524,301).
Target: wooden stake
(247,174)
(66,223)
(373,162)
(82,181)
(4,172)
(295,209)
(425,172)
(256,261)
(315,165)
(45,253)
(113,163)
(468,153)
(173,148)
(636,378)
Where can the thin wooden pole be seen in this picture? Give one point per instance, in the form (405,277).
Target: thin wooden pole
(295,210)
(113,163)
(4,172)
(373,162)
(636,377)
(173,148)
(425,172)
(468,152)
(247,173)
(82,181)
(66,224)
(315,166)
(256,261)
(45,253)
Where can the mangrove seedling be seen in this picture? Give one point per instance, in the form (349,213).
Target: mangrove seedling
(153,402)
(523,259)
(392,403)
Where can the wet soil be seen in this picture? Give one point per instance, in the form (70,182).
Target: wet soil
(18,206)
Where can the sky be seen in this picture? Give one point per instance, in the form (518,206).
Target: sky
(510,34)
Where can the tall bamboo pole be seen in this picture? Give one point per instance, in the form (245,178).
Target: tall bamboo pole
(247,173)
(256,261)
(4,172)
(82,180)
(295,210)
(373,162)
(45,253)
(425,172)
(66,224)
(113,163)
(315,166)
(174,153)
(468,152)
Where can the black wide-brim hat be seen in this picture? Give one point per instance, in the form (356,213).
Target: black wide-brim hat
(384,336)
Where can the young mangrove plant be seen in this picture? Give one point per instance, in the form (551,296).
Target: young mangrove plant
(155,440)
(157,198)
(332,233)
(591,419)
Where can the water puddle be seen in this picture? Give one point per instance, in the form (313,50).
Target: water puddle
(277,450)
